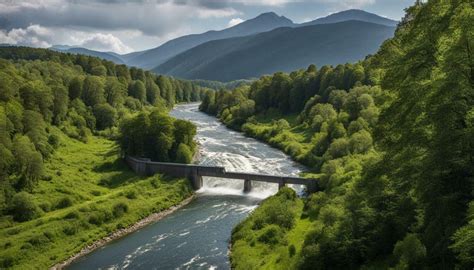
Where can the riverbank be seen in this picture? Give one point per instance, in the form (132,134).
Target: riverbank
(121,233)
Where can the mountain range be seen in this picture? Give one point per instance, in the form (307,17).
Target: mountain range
(282,49)
(178,56)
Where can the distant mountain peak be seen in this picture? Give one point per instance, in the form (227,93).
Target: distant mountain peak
(351,15)
(271,16)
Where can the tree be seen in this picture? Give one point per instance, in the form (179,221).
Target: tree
(29,163)
(23,207)
(105,116)
(410,253)
(115,92)
(137,90)
(184,132)
(184,154)
(37,96)
(75,87)
(152,91)
(93,91)
(60,103)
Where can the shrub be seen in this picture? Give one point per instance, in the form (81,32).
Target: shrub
(45,206)
(100,217)
(53,140)
(271,235)
(287,194)
(131,194)
(155,183)
(23,207)
(96,192)
(70,230)
(6,262)
(292,250)
(48,235)
(38,240)
(120,209)
(72,215)
(184,154)
(63,203)
(26,245)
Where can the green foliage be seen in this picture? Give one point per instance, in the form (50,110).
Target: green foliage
(184,154)
(80,95)
(46,95)
(23,207)
(159,137)
(105,116)
(391,140)
(410,252)
(54,236)
(63,203)
(120,209)
(270,235)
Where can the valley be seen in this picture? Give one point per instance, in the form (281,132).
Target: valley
(371,119)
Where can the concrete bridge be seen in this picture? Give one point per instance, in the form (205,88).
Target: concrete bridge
(195,173)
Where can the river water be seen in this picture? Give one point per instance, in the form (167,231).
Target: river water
(197,235)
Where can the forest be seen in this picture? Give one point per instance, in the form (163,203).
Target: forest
(391,139)
(60,118)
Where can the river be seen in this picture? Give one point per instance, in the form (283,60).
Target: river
(197,235)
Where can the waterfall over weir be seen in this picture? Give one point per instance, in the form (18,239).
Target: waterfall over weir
(197,236)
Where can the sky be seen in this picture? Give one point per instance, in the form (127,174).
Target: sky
(125,26)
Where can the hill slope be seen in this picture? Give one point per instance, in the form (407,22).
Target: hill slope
(353,14)
(154,57)
(282,49)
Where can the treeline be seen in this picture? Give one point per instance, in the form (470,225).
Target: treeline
(159,137)
(392,144)
(42,91)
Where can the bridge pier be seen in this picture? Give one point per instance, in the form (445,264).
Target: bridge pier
(196,179)
(281,185)
(247,186)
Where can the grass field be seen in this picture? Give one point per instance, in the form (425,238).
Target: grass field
(87,193)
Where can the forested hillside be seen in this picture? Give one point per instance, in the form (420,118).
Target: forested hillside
(62,183)
(391,140)
(282,49)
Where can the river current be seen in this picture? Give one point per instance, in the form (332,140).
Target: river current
(197,236)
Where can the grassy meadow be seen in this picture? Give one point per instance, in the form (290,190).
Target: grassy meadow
(87,193)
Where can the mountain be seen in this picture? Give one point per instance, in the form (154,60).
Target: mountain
(352,14)
(283,49)
(110,56)
(262,23)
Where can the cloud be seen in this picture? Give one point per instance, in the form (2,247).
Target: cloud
(43,37)
(151,17)
(105,42)
(33,35)
(234,22)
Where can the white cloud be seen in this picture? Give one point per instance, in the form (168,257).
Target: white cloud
(34,35)
(43,37)
(105,42)
(234,22)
